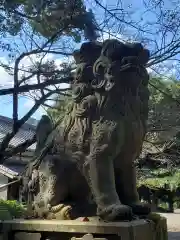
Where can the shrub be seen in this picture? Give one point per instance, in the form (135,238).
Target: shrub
(10,209)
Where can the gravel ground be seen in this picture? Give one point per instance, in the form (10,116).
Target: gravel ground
(173,222)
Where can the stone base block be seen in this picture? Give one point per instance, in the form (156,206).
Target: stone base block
(154,228)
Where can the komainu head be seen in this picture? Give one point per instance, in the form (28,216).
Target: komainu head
(120,64)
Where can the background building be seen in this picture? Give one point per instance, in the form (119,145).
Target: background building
(15,164)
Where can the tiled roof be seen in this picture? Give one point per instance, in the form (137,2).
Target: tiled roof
(8,171)
(26,132)
(11,170)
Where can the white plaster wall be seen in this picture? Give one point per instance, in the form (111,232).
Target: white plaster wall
(3,192)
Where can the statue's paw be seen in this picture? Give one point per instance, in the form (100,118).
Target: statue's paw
(140,208)
(116,213)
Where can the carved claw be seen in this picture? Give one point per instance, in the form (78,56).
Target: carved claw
(117,213)
(57,208)
(62,210)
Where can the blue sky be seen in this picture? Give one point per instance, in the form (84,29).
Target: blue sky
(24,103)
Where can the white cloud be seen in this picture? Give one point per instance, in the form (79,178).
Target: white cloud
(29,103)
(6,80)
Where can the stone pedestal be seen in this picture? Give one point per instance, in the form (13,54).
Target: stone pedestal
(81,230)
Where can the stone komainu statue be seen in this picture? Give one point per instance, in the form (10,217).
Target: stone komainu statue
(92,151)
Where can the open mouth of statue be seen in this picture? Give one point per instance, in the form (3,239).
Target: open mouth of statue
(129,66)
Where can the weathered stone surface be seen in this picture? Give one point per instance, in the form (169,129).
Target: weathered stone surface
(133,230)
(125,230)
(95,146)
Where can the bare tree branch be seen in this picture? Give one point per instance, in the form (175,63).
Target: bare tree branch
(27,88)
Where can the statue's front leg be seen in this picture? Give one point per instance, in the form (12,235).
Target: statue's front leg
(99,171)
(125,171)
(126,185)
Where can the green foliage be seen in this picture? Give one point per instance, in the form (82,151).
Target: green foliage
(169,90)
(11,209)
(48,18)
(161,172)
(170,181)
(163,129)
